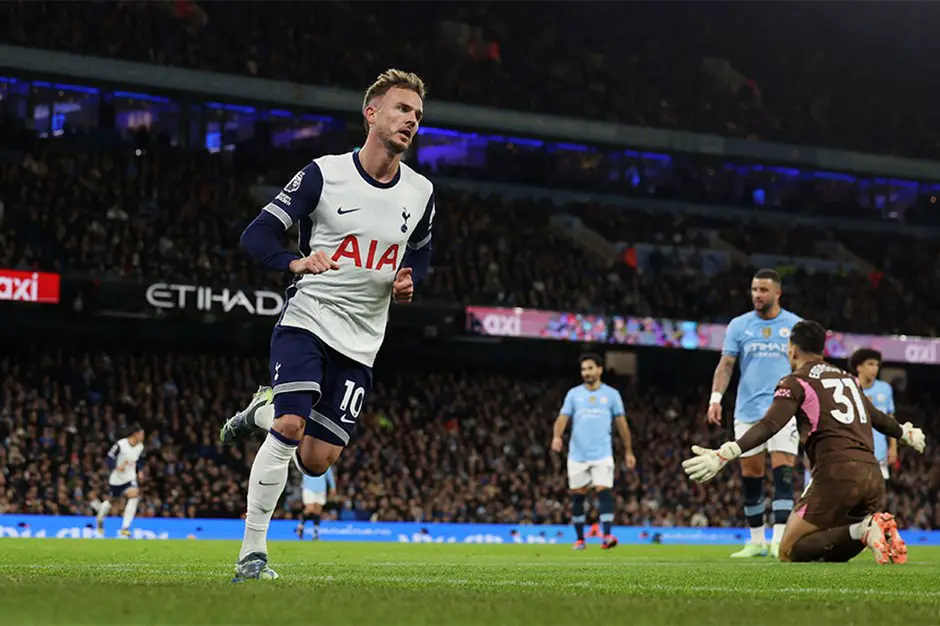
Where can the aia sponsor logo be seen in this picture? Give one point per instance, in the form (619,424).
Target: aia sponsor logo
(17,286)
(369,256)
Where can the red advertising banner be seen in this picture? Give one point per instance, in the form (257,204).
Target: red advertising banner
(20,286)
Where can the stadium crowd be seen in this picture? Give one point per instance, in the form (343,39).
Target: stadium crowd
(432,446)
(715,69)
(175,214)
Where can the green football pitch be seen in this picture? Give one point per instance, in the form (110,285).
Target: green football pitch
(188,582)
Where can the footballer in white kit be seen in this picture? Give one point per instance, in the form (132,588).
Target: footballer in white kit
(365,235)
(125,461)
(593,408)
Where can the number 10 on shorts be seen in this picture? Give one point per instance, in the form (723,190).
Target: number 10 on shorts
(352,399)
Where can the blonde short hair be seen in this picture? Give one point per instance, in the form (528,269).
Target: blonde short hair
(389,79)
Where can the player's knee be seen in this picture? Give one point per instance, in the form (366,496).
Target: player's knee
(132,493)
(782,459)
(753,466)
(314,457)
(290,426)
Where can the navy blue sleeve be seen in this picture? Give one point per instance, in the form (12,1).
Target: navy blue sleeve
(299,198)
(422,232)
(418,253)
(140,463)
(262,240)
(112,456)
(419,261)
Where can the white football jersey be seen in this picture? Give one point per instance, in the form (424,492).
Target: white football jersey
(125,458)
(363,225)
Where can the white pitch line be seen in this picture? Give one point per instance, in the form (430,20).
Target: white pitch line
(402,579)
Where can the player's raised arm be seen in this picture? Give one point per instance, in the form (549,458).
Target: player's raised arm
(262,238)
(561,423)
(887,425)
(723,372)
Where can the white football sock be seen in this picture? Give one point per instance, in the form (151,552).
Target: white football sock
(265,483)
(264,417)
(858,530)
(778,533)
(130,510)
(104,509)
(758,535)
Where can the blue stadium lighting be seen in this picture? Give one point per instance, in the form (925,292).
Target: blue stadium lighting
(649,156)
(445,132)
(834,176)
(323,119)
(140,96)
(238,108)
(280,113)
(573,147)
(894,182)
(77,88)
(7,79)
(786,171)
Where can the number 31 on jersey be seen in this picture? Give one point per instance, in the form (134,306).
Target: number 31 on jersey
(851,406)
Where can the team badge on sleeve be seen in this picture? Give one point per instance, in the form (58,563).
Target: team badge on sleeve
(294,183)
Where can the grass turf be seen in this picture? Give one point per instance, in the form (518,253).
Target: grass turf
(49,581)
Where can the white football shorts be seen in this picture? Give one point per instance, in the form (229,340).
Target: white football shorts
(786,440)
(598,473)
(884,468)
(313,497)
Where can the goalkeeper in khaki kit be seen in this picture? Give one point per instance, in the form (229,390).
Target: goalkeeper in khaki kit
(840,514)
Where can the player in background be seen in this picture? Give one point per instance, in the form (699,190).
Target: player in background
(865,363)
(759,339)
(592,408)
(314,494)
(840,514)
(365,235)
(125,462)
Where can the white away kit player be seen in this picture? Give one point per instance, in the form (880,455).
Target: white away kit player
(124,460)
(365,233)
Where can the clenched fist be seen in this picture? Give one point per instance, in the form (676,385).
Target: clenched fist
(403,290)
(316,263)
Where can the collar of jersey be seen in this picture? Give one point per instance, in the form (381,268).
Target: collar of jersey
(372,181)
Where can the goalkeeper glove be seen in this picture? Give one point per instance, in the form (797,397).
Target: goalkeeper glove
(707,463)
(913,437)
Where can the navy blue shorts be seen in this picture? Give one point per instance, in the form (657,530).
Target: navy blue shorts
(314,380)
(118,490)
